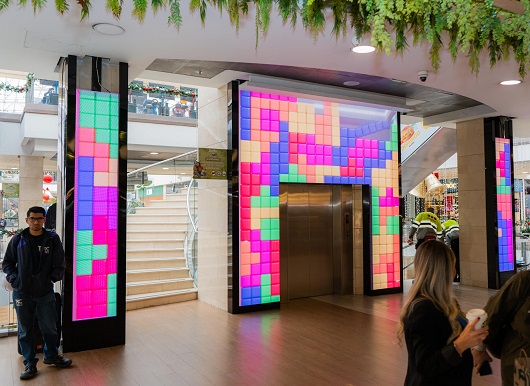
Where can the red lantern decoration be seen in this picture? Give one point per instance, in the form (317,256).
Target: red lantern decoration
(45,197)
(47,178)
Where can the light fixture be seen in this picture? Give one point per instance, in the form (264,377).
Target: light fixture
(165,168)
(351,83)
(510,82)
(359,47)
(153,153)
(182,173)
(14,168)
(108,29)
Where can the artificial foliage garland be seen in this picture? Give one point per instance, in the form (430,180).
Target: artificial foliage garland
(10,233)
(18,89)
(471,26)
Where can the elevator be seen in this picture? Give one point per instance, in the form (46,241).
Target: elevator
(316,240)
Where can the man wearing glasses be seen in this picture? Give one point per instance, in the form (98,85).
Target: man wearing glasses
(34,260)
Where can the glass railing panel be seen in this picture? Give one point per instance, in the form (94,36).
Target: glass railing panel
(12,94)
(44,91)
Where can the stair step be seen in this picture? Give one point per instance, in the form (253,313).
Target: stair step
(136,245)
(155,253)
(158,298)
(155,210)
(158,218)
(155,262)
(165,234)
(152,274)
(145,287)
(155,226)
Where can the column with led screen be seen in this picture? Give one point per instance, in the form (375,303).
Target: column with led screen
(288,139)
(95,205)
(504,204)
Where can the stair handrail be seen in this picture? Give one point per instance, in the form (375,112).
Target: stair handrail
(160,162)
(195,228)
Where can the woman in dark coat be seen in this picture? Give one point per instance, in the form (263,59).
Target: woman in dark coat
(437,336)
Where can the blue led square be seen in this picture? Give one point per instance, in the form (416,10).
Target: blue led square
(245,135)
(84,223)
(344,161)
(245,123)
(351,142)
(245,112)
(343,132)
(256,291)
(245,101)
(275,179)
(275,168)
(344,151)
(284,126)
(85,178)
(275,158)
(85,164)
(335,161)
(84,208)
(328,179)
(284,168)
(284,138)
(275,147)
(85,193)
(343,180)
(382,145)
(335,151)
(275,190)
(284,158)
(336,180)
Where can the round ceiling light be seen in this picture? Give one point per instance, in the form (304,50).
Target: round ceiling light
(153,153)
(363,49)
(510,82)
(351,83)
(108,29)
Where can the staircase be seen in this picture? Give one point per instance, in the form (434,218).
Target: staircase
(156,267)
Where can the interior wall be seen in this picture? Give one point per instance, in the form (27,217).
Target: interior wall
(213,203)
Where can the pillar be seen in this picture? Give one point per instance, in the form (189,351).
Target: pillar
(30,188)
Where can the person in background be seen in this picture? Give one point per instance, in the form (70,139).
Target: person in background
(509,322)
(451,233)
(427,226)
(437,335)
(34,260)
(51,217)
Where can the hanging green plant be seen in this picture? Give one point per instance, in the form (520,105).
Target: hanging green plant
(468,26)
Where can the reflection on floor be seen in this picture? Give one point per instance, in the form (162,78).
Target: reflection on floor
(331,340)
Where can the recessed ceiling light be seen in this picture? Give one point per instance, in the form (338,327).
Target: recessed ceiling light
(363,49)
(165,168)
(351,83)
(182,173)
(108,29)
(153,153)
(14,168)
(510,82)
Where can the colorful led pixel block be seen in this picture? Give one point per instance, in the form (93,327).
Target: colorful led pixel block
(285,139)
(95,205)
(504,204)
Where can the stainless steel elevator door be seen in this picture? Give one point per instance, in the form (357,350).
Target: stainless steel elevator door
(306,226)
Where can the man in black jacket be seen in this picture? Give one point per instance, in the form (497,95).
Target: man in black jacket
(34,260)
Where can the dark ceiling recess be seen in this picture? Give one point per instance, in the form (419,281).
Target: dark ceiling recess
(427,101)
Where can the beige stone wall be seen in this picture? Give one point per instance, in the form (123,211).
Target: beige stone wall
(472,203)
(30,189)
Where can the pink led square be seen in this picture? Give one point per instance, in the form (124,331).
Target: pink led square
(245,281)
(274,113)
(245,190)
(265,268)
(275,267)
(255,179)
(83,312)
(112,266)
(101,164)
(245,234)
(84,298)
(319,160)
(344,171)
(310,149)
(328,160)
(86,135)
(82,282)
(99,297)
(376,268)
(275,245)
(245,213)
(311,160)
(275,289)
(310,139)
(99,237)
(245,224)
(99,281)
(255,190)
(275,257)
(302,138)
(293,158)
(99,311)
(275,278)
(255,168)
(319,149)
(265,125)
(275,126)
(293,148)
(302,148)
(328,150)
(112,252)
(255,280)
(374,153)
(265,256)
(266,168)
(255,269)
(265,159)
(359,153)
(85,149)
(265,179)
(100,223)
(101,149)
(360,163)
(245,179)
(265,246)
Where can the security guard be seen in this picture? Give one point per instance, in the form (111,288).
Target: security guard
(428,226)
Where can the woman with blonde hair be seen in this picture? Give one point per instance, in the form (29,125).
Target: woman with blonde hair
(437,336)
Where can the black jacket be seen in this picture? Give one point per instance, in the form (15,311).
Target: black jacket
(431,360)
(18,264)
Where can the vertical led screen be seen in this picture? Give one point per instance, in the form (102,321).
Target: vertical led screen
(504,204)
(95,205)
(289,139)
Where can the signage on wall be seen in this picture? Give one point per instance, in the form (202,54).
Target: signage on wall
(10,190)
(211,164)
(413,136)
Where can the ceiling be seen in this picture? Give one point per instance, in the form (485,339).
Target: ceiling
(214,54)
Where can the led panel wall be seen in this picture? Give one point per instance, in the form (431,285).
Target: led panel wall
(95,205)
(504,204)
(289,139)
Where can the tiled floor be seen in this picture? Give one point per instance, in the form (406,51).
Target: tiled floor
(332,340)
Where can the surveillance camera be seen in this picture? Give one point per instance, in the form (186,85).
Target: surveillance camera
(423,75)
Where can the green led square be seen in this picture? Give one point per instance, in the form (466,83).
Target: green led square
(265,290)
(255,202)
(293,169)
(114,136)
(275,223)
(102,136)
(284,178)
(87,95)
(84,238)
(102,108)
(114,150)
(302,178)
(111,295)
(275,234)
(102,122)
(375,210)
(114,122)
(265,234)
(112,280)
(83,267)
(275,201)
(84,252)
(375,192)
(265,191)
(103,96)
(275,298)
(111,309)
(293,178)
(114,106)
(87,106)
(99,252)
(375,201)
(265,202)
(375,220)
(499,189)
(265,223)
(86,120)
(375,229)
(266,280)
